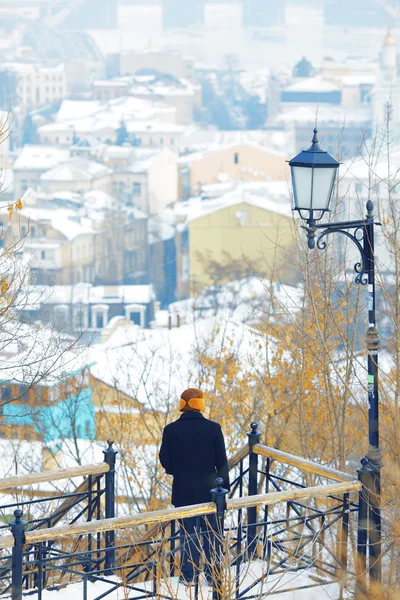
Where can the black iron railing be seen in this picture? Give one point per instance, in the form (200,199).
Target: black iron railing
(269,525)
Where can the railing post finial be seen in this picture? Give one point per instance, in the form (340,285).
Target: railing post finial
(254,435)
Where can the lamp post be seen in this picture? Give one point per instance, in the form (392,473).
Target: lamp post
(313,177)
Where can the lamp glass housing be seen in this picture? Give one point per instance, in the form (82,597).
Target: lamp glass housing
(312,187)
(313,176)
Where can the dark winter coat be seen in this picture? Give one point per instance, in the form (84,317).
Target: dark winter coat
(193,451)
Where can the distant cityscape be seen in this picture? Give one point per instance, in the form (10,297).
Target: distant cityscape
(143,174)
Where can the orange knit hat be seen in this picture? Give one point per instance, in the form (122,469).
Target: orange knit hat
(192,398)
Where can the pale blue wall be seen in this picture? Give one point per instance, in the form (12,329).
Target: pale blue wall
(59,420)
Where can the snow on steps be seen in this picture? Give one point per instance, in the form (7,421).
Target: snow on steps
(274,588)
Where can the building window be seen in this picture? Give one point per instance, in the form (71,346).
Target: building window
(359,188)
(137,188)
(61,314)
(99,316)
(172,141)
(23,393)
(24,185)
(23,230)
(242,217)
(136,314)
(161,141)
(6,395)
(236,158)
(43,254)
(33,231)
(185,270)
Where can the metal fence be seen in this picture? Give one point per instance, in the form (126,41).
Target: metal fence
(269,524)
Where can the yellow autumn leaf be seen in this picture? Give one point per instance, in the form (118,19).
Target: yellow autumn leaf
(10,209)
(18,204)
(3,287)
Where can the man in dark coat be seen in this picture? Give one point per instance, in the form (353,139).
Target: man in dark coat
(193,452)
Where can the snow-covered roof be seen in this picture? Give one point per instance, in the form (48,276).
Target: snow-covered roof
(195,139)
(117,82)
(216,148)
(86,293)
(313,84)
(77,109)
(40,158)
(246,299)
(76,169)
(154,366)
(25,67)
(44,365)
(358,79)
(99,200)
(107,152)
(272,196)
(268,205)
(153,127)
(43,355)
(125,108)
(334,115)
(62,220)
(141,165)
(162,226)
(160,89)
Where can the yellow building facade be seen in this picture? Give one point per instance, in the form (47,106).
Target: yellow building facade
(256,232)
(240,161)
(122,418)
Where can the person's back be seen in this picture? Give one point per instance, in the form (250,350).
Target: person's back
(193,452)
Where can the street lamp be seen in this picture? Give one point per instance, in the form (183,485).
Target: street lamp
(313,177)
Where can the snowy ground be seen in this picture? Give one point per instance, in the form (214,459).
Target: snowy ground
(274,587)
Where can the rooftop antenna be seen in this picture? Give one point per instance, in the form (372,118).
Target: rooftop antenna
(316,117)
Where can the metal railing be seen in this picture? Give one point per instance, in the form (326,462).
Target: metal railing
(270,517)
(94,498)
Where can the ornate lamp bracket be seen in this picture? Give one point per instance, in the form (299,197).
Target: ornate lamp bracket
(357,237)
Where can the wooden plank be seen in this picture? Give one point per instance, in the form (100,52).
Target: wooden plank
(156,516)
(317,491)
(163,516)
(237,457)
(6,541)
(46,476)
(302,463)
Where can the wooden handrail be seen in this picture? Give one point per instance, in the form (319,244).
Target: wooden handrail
(155,516)
(164,516)
(302,463)
(78,471)
(318,491)
(237,457)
